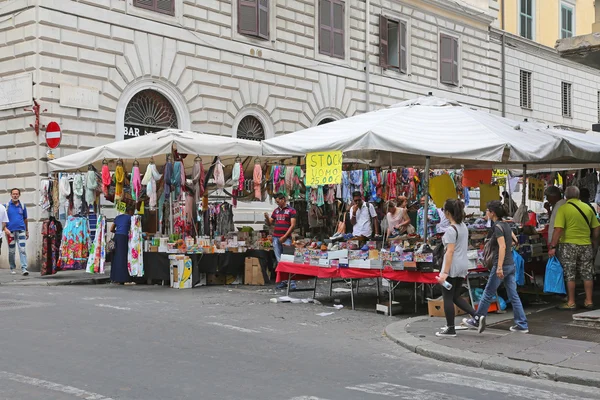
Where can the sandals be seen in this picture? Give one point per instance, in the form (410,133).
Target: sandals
(567,307)
(588,306)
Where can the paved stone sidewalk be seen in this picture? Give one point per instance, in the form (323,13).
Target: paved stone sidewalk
(60,278)
(542,357)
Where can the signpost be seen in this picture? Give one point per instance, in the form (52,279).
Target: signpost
(53,135)
(324,168)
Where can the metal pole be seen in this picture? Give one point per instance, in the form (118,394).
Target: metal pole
(426,205)
(525,186)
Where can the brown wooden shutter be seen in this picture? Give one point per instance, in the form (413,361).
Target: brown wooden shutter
(248,17)
(446,60)
(383,41)
(455,61)
(147,4)
(325,27)
(338,14)
(165,6)
(403,51)
(263,19)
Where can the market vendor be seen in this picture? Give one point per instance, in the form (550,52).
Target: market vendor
(363,217)
(433,219)
(283,220)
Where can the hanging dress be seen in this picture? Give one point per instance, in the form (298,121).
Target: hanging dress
(51,235)
(96,259)
(74,249)
(135,256)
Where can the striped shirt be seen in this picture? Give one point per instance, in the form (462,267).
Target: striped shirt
(282,218)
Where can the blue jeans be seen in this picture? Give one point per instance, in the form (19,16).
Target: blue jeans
(278,247)
(20,240)
(510,284)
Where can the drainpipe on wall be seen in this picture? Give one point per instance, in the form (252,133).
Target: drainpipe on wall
(367,64)
(503,62)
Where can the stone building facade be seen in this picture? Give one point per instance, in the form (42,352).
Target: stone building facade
(107,70)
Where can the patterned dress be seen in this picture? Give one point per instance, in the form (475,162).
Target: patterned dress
(135,256)
(51,234)
(74,248)
(96,259)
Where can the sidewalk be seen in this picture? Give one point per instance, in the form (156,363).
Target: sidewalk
(542,357)
(60,278)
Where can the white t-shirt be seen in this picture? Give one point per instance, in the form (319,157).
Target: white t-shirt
(444,224)
(460,260)
(363,220)
(3,219)
(558,205)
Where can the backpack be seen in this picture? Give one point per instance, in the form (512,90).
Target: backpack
(20,203)
(440,251)
(488,250)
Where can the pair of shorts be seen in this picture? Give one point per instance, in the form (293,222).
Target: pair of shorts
(576,258)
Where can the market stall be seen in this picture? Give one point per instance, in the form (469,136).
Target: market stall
(424,132)
(172,220)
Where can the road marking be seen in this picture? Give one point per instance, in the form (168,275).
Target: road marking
(113,307)
(57,387)
(307,398)
(232,327)
(500,387)
(402,392)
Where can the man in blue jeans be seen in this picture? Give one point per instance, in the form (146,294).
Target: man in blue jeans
(283,221)
(18,231)
(503,272)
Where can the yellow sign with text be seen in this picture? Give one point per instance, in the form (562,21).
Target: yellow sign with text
(324,168)
(499,176)
(536,189)
(121,207)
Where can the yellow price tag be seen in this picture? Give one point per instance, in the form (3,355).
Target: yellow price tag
(324,168)
(121,207)
(500,176)
(536,189)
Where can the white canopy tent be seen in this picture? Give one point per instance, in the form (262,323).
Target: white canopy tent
(145,148)
(434,130)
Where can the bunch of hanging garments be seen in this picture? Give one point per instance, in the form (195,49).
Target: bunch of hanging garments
(97,256)
(135,255)
(51,240)
(75,244)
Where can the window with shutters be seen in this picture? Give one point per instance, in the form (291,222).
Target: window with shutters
(567,13)
(331,28)
(253,18)
(566,100)
(526,89)
(526,21)
(449,59)
(392,44)
(160,6)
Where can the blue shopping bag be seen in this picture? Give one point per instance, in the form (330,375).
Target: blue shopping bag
(519,268)
(554,281)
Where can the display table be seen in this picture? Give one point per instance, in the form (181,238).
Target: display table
(287,271)
(156,265)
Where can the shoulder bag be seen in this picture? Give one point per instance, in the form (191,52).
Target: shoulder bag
(489,248)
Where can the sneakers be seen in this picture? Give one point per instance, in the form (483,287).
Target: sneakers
(293,285)
(25,273)
(446,332)
(281,285)
(13,272)
(517,328)
(476,323)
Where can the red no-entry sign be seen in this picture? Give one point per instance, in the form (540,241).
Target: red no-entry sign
(53,135)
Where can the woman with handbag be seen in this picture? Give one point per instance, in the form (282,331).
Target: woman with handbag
(455,265)
(119,273)
(502,271)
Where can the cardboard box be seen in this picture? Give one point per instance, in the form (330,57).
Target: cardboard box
(253,272)
(337,255)
(216,279)
(384,308)
(287,258)
(436,308)
(153,249)
(180,268)
(366,264)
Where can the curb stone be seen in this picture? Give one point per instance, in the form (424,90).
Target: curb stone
(397,333)
(91,281)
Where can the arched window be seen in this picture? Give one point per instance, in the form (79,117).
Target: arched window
(147,112)
(326,121)
(251,128)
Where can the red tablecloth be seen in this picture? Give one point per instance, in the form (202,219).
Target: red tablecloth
(303,271)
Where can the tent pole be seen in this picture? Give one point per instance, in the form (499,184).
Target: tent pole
(510,210)
(525,186)
(426,205)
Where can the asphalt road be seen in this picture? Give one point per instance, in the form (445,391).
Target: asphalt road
(114,342)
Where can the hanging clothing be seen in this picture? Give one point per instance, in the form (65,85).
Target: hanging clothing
(198,180)
(168,174)
(257,181)
(55,198)
(91,184)
(45,195)
(136,183)
(219,175)
(120,180)
(298,179)
(105,179)
(51,236)
(176,179)
(74,248)
(150,180)
(97,257)
(64,191)
(135,255)
(78,191)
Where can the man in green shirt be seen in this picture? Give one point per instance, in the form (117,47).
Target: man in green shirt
(576,233)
